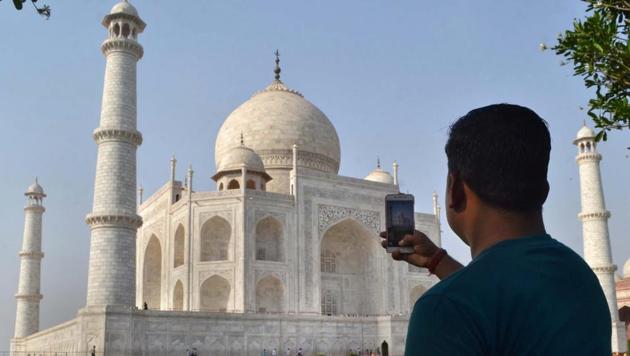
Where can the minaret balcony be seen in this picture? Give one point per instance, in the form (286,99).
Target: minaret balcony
(596,215)
(122,45)
(590,156)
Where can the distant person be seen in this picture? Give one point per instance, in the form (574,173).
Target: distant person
(288,353)
(274,352)
(299,353)
(145,306)
(524,293)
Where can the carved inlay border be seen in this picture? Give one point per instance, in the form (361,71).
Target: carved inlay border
(284,158)
(329,215)
(206,215)
(280,275)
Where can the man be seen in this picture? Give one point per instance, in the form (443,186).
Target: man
(524,293)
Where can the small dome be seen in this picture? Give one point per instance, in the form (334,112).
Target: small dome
(35,189)
(125,8)
(626,269)
(379,175)
(238,156)
(585,132)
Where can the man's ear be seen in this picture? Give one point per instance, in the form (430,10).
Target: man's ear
(456,193)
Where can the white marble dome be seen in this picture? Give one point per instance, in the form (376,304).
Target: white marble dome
(125,8)
(379,175)
(35,189)
(272,121)
(585,132)
(626,269)
(238,156)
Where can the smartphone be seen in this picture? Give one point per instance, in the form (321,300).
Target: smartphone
(399,220)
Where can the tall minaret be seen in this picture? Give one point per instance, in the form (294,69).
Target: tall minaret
(594,217)
(113,221)
(28,295)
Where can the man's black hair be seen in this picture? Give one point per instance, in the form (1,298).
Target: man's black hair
(502,152)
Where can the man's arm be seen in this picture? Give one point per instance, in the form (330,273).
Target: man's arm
(424,249)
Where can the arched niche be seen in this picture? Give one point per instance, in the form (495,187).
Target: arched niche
(348,268)
(269,240)
(152,274)
(179,246)
(270,295)
(251,184)
(214,294)
(233,184)
(215,240)
(178,296)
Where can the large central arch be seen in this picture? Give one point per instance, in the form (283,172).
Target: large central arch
(350,278)
(152,274)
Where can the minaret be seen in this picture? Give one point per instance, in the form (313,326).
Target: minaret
(114,221)
(594,217)
(28,295)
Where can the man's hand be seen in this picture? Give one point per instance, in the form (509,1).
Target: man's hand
(423,248)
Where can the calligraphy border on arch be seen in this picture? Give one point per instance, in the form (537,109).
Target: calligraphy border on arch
(329,215)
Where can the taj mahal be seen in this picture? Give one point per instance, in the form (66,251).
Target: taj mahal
(283,256)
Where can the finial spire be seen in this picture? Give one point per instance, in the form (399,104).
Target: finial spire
(378,162)
(242,139)
(277,70)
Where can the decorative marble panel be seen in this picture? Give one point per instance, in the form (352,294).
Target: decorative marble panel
(330,214)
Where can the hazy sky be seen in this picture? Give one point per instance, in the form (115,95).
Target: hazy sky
(391,76)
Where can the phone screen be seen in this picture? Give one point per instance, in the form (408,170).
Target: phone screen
(400,221)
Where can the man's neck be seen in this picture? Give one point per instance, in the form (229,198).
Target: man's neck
(496,226)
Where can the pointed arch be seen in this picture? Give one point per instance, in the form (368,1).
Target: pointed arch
(270,295)
(269,240)
(347,254)
(214,294)
(178,296)
(251,184)
(179,246)
(152,274)
(215,239)
(233,184)
(125,30)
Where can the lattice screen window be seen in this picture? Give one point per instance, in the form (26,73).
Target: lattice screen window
(329,303)
(328,263)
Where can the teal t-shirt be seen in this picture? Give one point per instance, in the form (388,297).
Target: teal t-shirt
(528,296)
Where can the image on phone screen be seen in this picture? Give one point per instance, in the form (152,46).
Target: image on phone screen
(400,221)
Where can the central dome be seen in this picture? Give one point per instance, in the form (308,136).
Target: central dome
(272,121)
